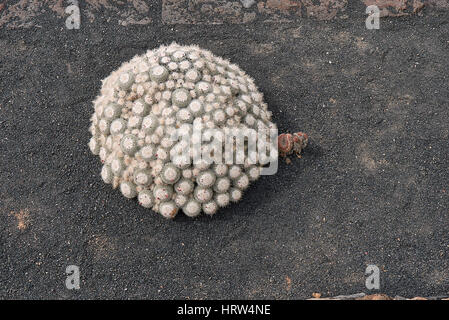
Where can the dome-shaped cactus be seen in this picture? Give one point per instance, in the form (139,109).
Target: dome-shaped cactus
(175,89)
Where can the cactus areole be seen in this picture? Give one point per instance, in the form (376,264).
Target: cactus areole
(174,91)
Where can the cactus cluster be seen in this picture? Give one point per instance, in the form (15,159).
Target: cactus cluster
(170,88)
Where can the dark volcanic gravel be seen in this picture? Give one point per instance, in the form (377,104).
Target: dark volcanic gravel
(372,187)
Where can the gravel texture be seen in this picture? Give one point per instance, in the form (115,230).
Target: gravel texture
(372,187)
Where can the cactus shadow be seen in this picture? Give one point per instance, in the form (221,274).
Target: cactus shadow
(272,192)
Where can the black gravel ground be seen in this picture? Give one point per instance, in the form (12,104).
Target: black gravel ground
(372,188)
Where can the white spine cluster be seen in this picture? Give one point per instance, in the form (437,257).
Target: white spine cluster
(167,89)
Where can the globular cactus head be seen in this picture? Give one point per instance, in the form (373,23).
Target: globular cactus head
(176,89)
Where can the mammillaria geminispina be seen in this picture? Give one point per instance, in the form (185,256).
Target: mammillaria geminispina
(175,91)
